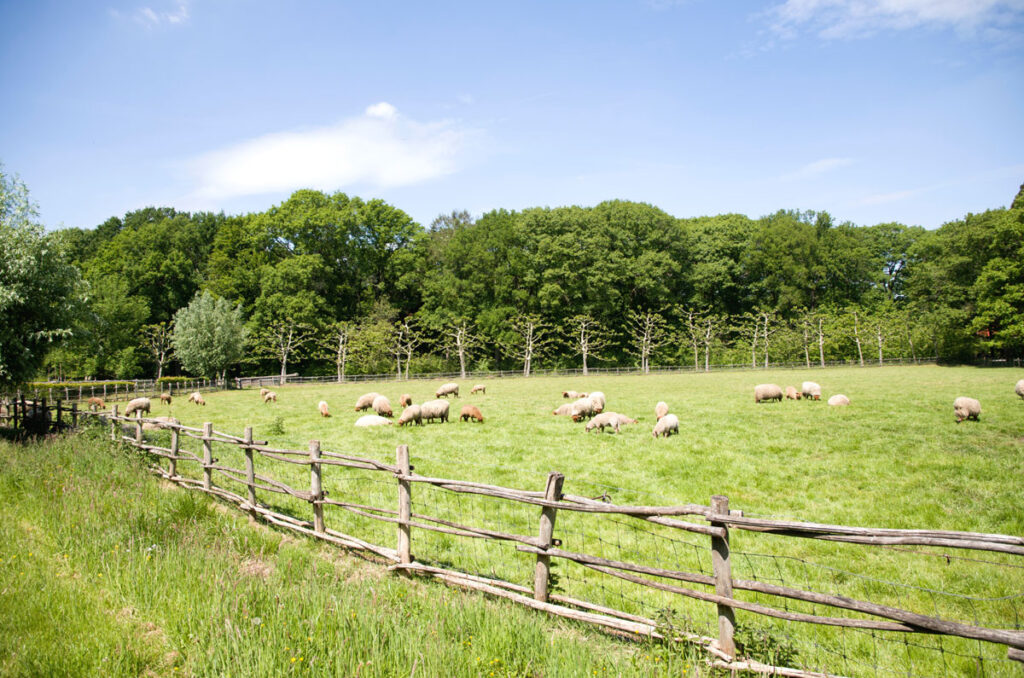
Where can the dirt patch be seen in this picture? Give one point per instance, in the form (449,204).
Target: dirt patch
(254,567)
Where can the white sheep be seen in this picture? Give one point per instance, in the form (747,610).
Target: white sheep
(661,409)
(564,410)
(611,419)
(159,423)
(322,406)
(264,391)
(839,400)
(365,402)
(197,398)
(382,406)
(137,405)
(599,401)
(966,408)
(811,390)
(584,407)
(411,415)
(573,395)
(435,409)
(372,420)
(792,393)
(479,388)
(666,426)
(1019,388)
(763,392)
(448,389)
(270,396)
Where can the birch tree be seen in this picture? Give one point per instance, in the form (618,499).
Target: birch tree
(156,339)
(532,336)
(647,333)
(336,342)
(589,337)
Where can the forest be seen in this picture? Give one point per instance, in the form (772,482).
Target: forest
(331,283)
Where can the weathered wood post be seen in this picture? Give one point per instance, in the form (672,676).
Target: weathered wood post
(172,463)
(722,569)
(404,505)
(113,422)
(250,470)
(74,415)
(316,486)
(207,456)
(60,413)
(138,427)
(542,571)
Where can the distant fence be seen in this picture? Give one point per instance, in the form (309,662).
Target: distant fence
(108,391)
(656,534)
(275,380)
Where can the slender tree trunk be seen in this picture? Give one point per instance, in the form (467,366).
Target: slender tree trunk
(910,341)
(462,361)
(880,339)
(584,363)
(764,336)
(284,367)
(856,338)
(159,370)
(821,341)
(526,364)
(807,347)
(696,357)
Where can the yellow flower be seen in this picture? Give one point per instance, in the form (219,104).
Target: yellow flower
(293,660)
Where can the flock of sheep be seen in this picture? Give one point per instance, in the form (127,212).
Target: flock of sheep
(592,405)
(809,390)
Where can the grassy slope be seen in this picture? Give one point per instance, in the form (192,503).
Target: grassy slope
(104,570)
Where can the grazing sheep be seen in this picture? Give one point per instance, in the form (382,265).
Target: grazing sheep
(839,400)
(271,396)
(405,400)
(410,415)
(435,409)
(966,408)
(365,402)
(1019,389)
(811,390)
(610,419)
(382,406)
(565,410)
(471,412)
(372,420)
(584,407)
(575,395)
(661,409)
(598,398)
(159,423)
(322,406)
(447,389)
(666,426)
(792,393)
(96,404)
(479,388)
(197,398)
(165,398)
(137,405)
(264,391)
(767,392)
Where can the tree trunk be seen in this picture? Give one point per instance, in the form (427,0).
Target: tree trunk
(284,368)
(880,360)
(584,363)
(807,347)
(856,338)
(462,362)
(821,341)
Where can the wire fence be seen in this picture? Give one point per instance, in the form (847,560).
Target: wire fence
(756,594)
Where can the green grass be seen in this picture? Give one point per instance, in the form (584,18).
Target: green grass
(894,458)
(105,570)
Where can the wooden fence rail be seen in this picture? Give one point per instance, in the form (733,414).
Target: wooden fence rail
(545,546)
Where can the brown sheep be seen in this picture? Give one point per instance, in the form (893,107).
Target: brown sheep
(323,409)
(270,396)
(792,393)
(574,395)
(165,398)
(661,409)
(197,398)
(96,404)
(382,406)
(405,400)
(479,388)
(264,391)
(471,412)
(411,415)
(365,401)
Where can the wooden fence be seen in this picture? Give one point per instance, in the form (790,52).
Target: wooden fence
(716,522)
(58,394)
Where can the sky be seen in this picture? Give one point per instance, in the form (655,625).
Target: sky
(873,110)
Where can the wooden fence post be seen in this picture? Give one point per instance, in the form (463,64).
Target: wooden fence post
(542,571)
(138,427)
(250,470)
(60,412)
(404,505)
(722,568)
(207,456)
(74,415)
(316,486)
(113,422)
(172,463)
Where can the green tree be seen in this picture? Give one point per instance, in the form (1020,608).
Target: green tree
(209,335)
(38,285)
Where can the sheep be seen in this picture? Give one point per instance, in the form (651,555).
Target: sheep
(165,398)
(574,395)
(479,388)
(565,410)
(322,406)
(264,391)
(792,393)
(584,407)
(966,408)
(435,409)
(96,404)
(447,389)
(838,400)
(471,412)
(382,406)
(767,392)
(598,398)
(612,419)
(661,409)
(137,405)
(365,402)
(666,426)
(411,415)
(159,423)
(1019,389)
(372,420)
(197,398)
(405,400)
(810,390)
(270,396)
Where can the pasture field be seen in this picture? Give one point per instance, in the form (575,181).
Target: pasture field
(894,458)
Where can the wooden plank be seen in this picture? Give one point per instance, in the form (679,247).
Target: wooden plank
(207,456)
(722,568)
(542,570)
(250,467)
(316,486)
(404,505)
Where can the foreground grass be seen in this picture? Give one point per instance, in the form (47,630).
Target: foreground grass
(105,570)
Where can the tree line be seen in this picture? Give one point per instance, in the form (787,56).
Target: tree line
(340,285)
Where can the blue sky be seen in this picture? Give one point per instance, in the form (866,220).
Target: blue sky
(875,110)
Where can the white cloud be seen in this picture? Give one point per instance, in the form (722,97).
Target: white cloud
(151,18)
(856,18)
(380,148)
(816,168)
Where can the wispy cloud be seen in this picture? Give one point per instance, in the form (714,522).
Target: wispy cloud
(380,148)
(148,17)
(816,168)
(845,19)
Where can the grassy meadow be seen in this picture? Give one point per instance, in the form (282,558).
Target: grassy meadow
(894,458)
